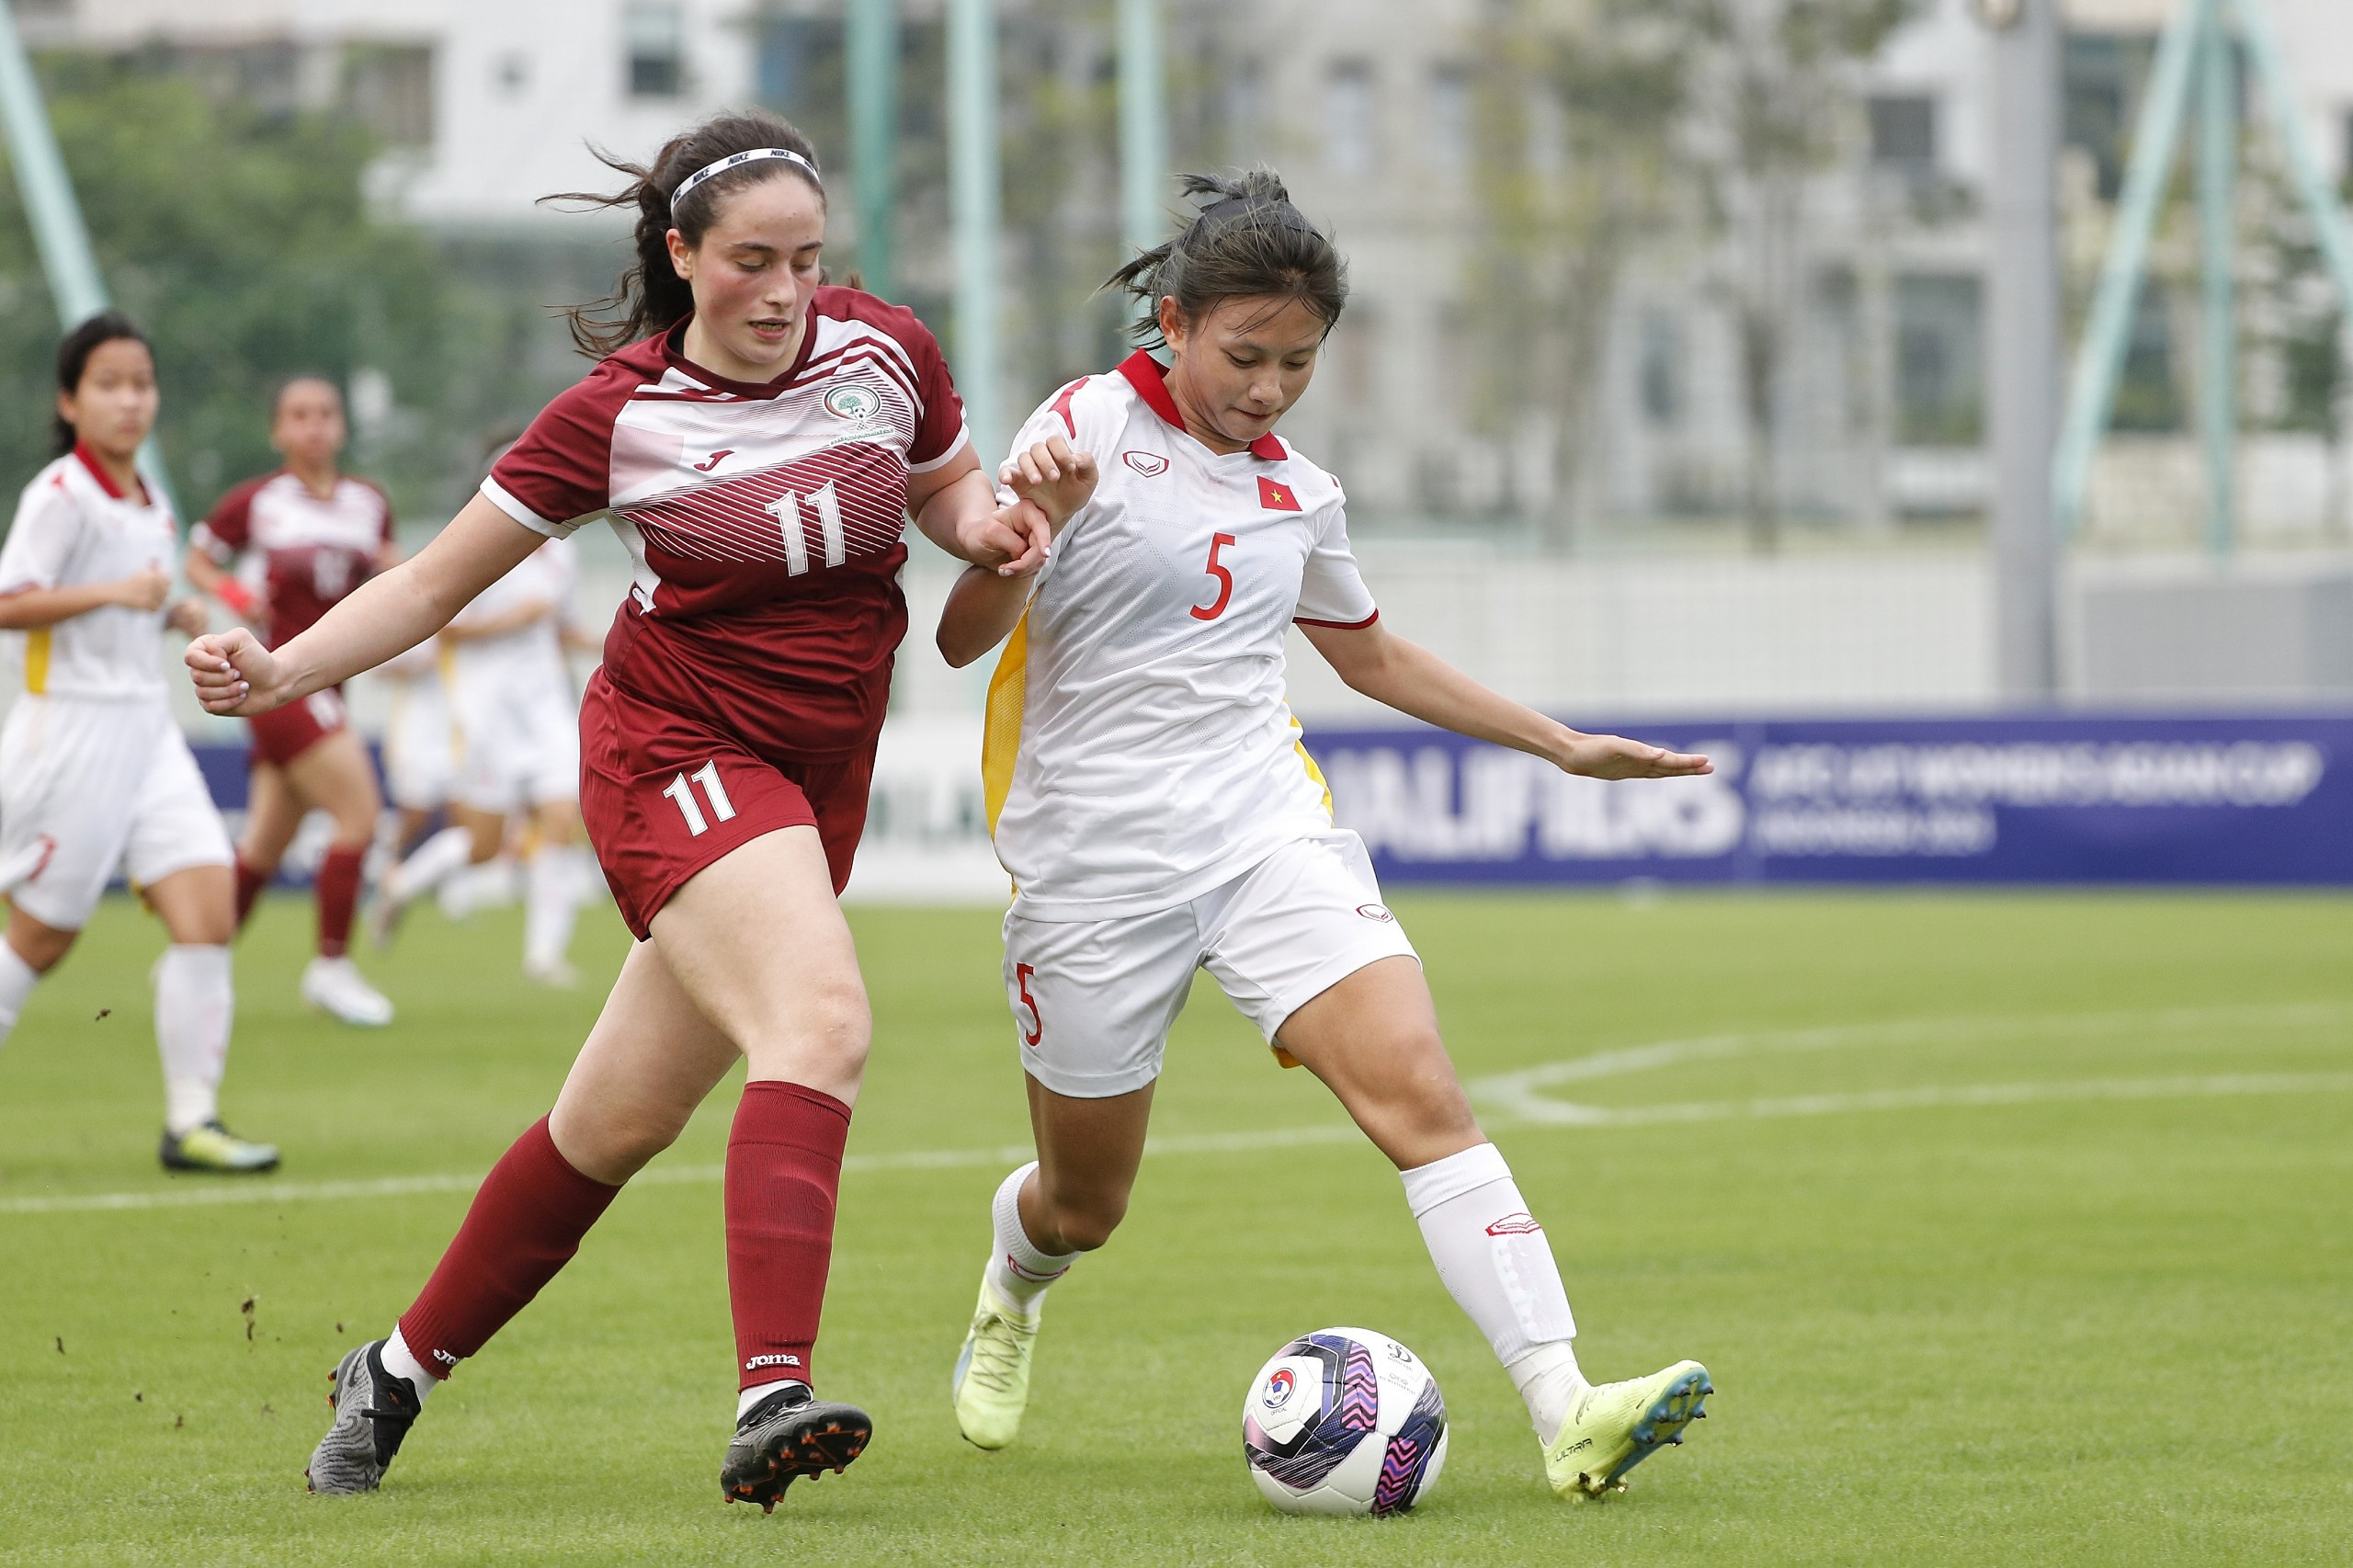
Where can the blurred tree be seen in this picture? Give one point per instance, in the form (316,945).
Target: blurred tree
(1578,109)
(1780,91)
(2295,316)
(244,242)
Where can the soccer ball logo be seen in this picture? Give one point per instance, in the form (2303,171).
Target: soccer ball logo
(1344,1421)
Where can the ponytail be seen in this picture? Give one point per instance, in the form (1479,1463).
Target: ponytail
(1250,242)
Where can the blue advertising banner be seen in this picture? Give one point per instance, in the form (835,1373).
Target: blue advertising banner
(2061,799)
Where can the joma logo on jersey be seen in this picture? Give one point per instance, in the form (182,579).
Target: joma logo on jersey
(853,403)
(1151,465)
(715,459)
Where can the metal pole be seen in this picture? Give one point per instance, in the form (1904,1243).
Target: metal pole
(872,46)
(63,241)
(2218,159)
(2023,356)
(973,203)
(2099,359)
(1143,127)
(2320,197)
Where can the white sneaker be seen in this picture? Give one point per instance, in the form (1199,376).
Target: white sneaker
(554,973)
(336,986)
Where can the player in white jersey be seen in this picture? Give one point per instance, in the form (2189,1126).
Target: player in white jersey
(1147,790)
(95,774)
(420,745)
(519,728)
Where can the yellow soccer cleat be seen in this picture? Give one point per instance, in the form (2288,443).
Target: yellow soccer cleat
(1615,1426)
(213,1147)
(991,1382)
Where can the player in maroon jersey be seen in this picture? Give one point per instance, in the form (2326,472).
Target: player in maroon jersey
(306,535)
(759,441)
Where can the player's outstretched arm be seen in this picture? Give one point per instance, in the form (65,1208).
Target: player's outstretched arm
(956,509)
(383,617)
(1415,681)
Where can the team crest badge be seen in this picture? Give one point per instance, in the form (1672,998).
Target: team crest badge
(1151,465)
(851,402)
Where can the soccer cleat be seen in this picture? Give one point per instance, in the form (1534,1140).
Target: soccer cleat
(209,1146)
(373,1410)
(789,1435)
(1615,1426)
(990,1385)
(336,986)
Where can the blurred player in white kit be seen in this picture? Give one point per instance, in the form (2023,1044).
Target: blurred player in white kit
(517,726)
(95,774)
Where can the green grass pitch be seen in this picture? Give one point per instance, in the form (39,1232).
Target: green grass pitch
(2014,1229)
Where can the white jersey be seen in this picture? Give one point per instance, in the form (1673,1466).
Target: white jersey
(1140,750)
(546,576)
(73,527)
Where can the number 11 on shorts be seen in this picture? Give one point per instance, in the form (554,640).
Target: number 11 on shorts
(682,791)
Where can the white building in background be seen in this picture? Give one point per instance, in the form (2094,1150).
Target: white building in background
(487,105)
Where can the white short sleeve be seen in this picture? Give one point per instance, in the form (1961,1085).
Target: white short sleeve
(1332,591)
(42,539)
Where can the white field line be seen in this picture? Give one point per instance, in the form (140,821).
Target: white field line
(1509,1099)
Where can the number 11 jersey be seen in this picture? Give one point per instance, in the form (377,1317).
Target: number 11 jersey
(1140,749)
(764,520)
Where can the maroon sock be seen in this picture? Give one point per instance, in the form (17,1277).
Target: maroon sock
(784,1167)
(524,1225)
(249,885)
(337,891)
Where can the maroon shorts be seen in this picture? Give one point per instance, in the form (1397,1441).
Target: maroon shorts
(284,734)
(665,794)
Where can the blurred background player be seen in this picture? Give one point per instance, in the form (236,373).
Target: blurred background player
(420,747)
(94,771)
(518,743)
(302,536)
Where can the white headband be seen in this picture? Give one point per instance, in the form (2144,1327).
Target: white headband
(687,184)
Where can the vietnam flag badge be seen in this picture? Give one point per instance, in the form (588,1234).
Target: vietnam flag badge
(1276,497)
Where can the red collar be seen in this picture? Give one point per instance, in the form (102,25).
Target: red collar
(1150,378)
(97,471)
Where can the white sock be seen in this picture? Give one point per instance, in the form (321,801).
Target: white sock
(1495,1263)
(551,904)
(17,978)
(195,1003)
(432,863)
(1018,1272)
(758,1391)
(401,1362)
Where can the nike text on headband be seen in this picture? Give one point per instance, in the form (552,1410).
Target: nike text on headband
(734,160)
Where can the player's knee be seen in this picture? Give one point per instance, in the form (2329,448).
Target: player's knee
(825,1036)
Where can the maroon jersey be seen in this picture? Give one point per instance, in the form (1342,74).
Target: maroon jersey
(765,520)
(305,551)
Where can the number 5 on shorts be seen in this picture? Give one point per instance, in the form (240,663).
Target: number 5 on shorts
(716,792)
(1037,1030)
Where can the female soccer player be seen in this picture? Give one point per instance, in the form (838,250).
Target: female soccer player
(518,729)
(309,534)
(757,440)
(94,771)
(1147,791)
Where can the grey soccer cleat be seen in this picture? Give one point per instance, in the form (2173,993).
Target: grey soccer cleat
(789,1435)
(373,1410)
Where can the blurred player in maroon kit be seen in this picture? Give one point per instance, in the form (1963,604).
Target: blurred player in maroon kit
(759,442)
(303,537)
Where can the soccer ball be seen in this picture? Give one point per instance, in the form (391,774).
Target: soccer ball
(1344,1421)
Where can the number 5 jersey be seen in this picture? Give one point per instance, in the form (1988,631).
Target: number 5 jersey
(1140,750)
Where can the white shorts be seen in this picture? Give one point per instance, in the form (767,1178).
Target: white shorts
(1092,1000)
(87,786)
(420,745)
(518,739)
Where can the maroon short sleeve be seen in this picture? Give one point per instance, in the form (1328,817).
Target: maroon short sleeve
(229,527)
(562,469)
(941,425)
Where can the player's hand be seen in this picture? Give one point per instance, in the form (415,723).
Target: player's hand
(144,590)
(1052,477)
(189,617)
(1012,541)
(234,674)
(1615,756)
